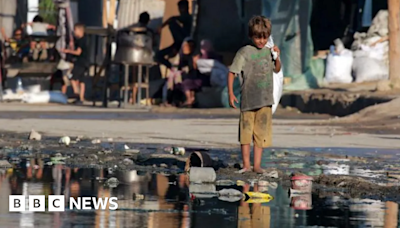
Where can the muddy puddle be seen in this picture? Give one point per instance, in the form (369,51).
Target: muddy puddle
(154,199)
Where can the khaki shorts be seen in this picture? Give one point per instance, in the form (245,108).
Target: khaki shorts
(257,125)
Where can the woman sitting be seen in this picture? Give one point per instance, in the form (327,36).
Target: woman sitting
(193,80)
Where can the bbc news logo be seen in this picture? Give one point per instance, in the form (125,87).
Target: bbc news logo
(37,203)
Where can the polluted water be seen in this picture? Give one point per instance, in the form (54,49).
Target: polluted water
(166,200)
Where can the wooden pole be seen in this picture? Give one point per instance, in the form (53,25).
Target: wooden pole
(105,14)
(111,13)
(394,39)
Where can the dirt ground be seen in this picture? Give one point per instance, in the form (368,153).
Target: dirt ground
(202,128)
(307,142)
(378,118)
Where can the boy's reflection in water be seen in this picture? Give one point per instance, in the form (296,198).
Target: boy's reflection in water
(173,194)
(254,215)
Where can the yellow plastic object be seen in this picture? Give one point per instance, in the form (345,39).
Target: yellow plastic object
(257,197)
(257,200)
(240,183)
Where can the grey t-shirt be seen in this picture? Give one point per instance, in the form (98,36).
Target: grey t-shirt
(255,68)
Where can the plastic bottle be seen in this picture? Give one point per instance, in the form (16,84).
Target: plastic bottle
(224,182)
(176,150)
(20,88)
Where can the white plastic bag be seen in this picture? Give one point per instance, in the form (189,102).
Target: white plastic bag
(277,80)
(338,68)
(278,87)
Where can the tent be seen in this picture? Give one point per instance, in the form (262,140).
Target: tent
(227,29)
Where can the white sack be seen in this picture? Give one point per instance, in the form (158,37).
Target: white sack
(338,68)
(45,97)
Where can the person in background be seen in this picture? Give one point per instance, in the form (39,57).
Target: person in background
(39,28)
(192,80)
(255,65)
(80,61)
(17,42)
(207,51)
(180,28)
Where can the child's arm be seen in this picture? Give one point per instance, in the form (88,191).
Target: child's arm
(232,97)
(3,33)
(278,65)
(27,24)
(235,68)
(52,27)
(76,52)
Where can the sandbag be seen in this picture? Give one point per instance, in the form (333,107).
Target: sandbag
(338,68)
(33,89)
(367,69)
(218,71)
(45,97)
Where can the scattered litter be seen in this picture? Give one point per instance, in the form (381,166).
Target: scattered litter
(35,135)
(301,202)
(240,183)
(202,175)
(230,195)
(58,160)
(107,151)
(65,140)
(110,139)
(136,197)
(203,190)
(93,157)
(163,165)
(271,174)
(175,150)
(224,183)
(127,161)
(301,183)
(131,152)
(126,147)
(96,141)
(336,169)
(112,182)
(58,155)
(79,138)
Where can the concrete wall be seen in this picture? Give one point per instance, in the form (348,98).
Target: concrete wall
(8,12)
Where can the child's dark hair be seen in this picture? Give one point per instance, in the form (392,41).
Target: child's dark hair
(183,3)
(38,19)
(79,25)
(144,18)
(259,27)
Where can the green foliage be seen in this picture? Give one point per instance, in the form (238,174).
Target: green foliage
(48,10)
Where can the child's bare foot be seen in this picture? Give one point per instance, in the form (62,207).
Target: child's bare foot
(258,170)
(244,170)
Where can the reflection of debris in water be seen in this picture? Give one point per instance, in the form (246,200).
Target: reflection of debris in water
(162,204)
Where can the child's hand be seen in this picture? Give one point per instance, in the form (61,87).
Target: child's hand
(232,100)
(277,50)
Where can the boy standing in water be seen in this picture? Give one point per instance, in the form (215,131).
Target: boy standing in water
(255,66)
